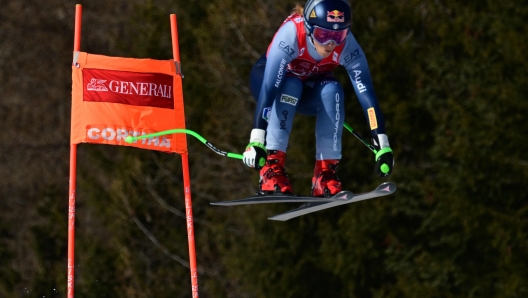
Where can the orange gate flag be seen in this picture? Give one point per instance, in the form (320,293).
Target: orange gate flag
(114,97)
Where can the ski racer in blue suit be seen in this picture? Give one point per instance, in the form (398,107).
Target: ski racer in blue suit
(295,76)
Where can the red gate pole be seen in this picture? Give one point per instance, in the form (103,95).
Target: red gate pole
(190,225)
(186,176)
(73,176)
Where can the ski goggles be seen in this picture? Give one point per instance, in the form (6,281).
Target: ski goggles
(325,36)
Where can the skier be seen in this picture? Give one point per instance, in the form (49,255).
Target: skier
(294,76)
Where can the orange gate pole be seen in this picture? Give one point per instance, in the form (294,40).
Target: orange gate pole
(73,176)
(186,176)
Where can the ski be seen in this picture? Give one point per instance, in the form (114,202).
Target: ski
(383,189)
(282,198)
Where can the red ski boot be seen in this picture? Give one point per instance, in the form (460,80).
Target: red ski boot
(273,178)
(325,182)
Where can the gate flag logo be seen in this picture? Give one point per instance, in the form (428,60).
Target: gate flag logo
(114,97)
(96,85)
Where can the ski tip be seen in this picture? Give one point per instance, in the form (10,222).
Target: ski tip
(280,217)
(386,187)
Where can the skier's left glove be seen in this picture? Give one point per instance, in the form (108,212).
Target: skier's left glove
(384,157)
(256,154)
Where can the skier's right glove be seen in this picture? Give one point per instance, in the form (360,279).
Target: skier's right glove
(256,154)
(384,156)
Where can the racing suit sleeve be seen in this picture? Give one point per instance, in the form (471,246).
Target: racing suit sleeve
(354,60)
(282,50)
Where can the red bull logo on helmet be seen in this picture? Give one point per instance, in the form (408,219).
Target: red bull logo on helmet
(335,16)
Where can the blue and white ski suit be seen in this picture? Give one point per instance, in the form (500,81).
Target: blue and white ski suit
(282,90)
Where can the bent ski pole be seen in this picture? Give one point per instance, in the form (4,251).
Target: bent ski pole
(360,138)
(131,139)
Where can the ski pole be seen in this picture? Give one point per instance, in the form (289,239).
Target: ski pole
(384,168)
(360,138)
(131,139)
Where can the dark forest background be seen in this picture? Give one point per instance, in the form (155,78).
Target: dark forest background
(452,81)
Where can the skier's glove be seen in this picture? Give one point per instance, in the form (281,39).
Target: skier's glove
(256,154)
(384,157)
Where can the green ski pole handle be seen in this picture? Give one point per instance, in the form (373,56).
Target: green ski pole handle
(384,168)
(131,139)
